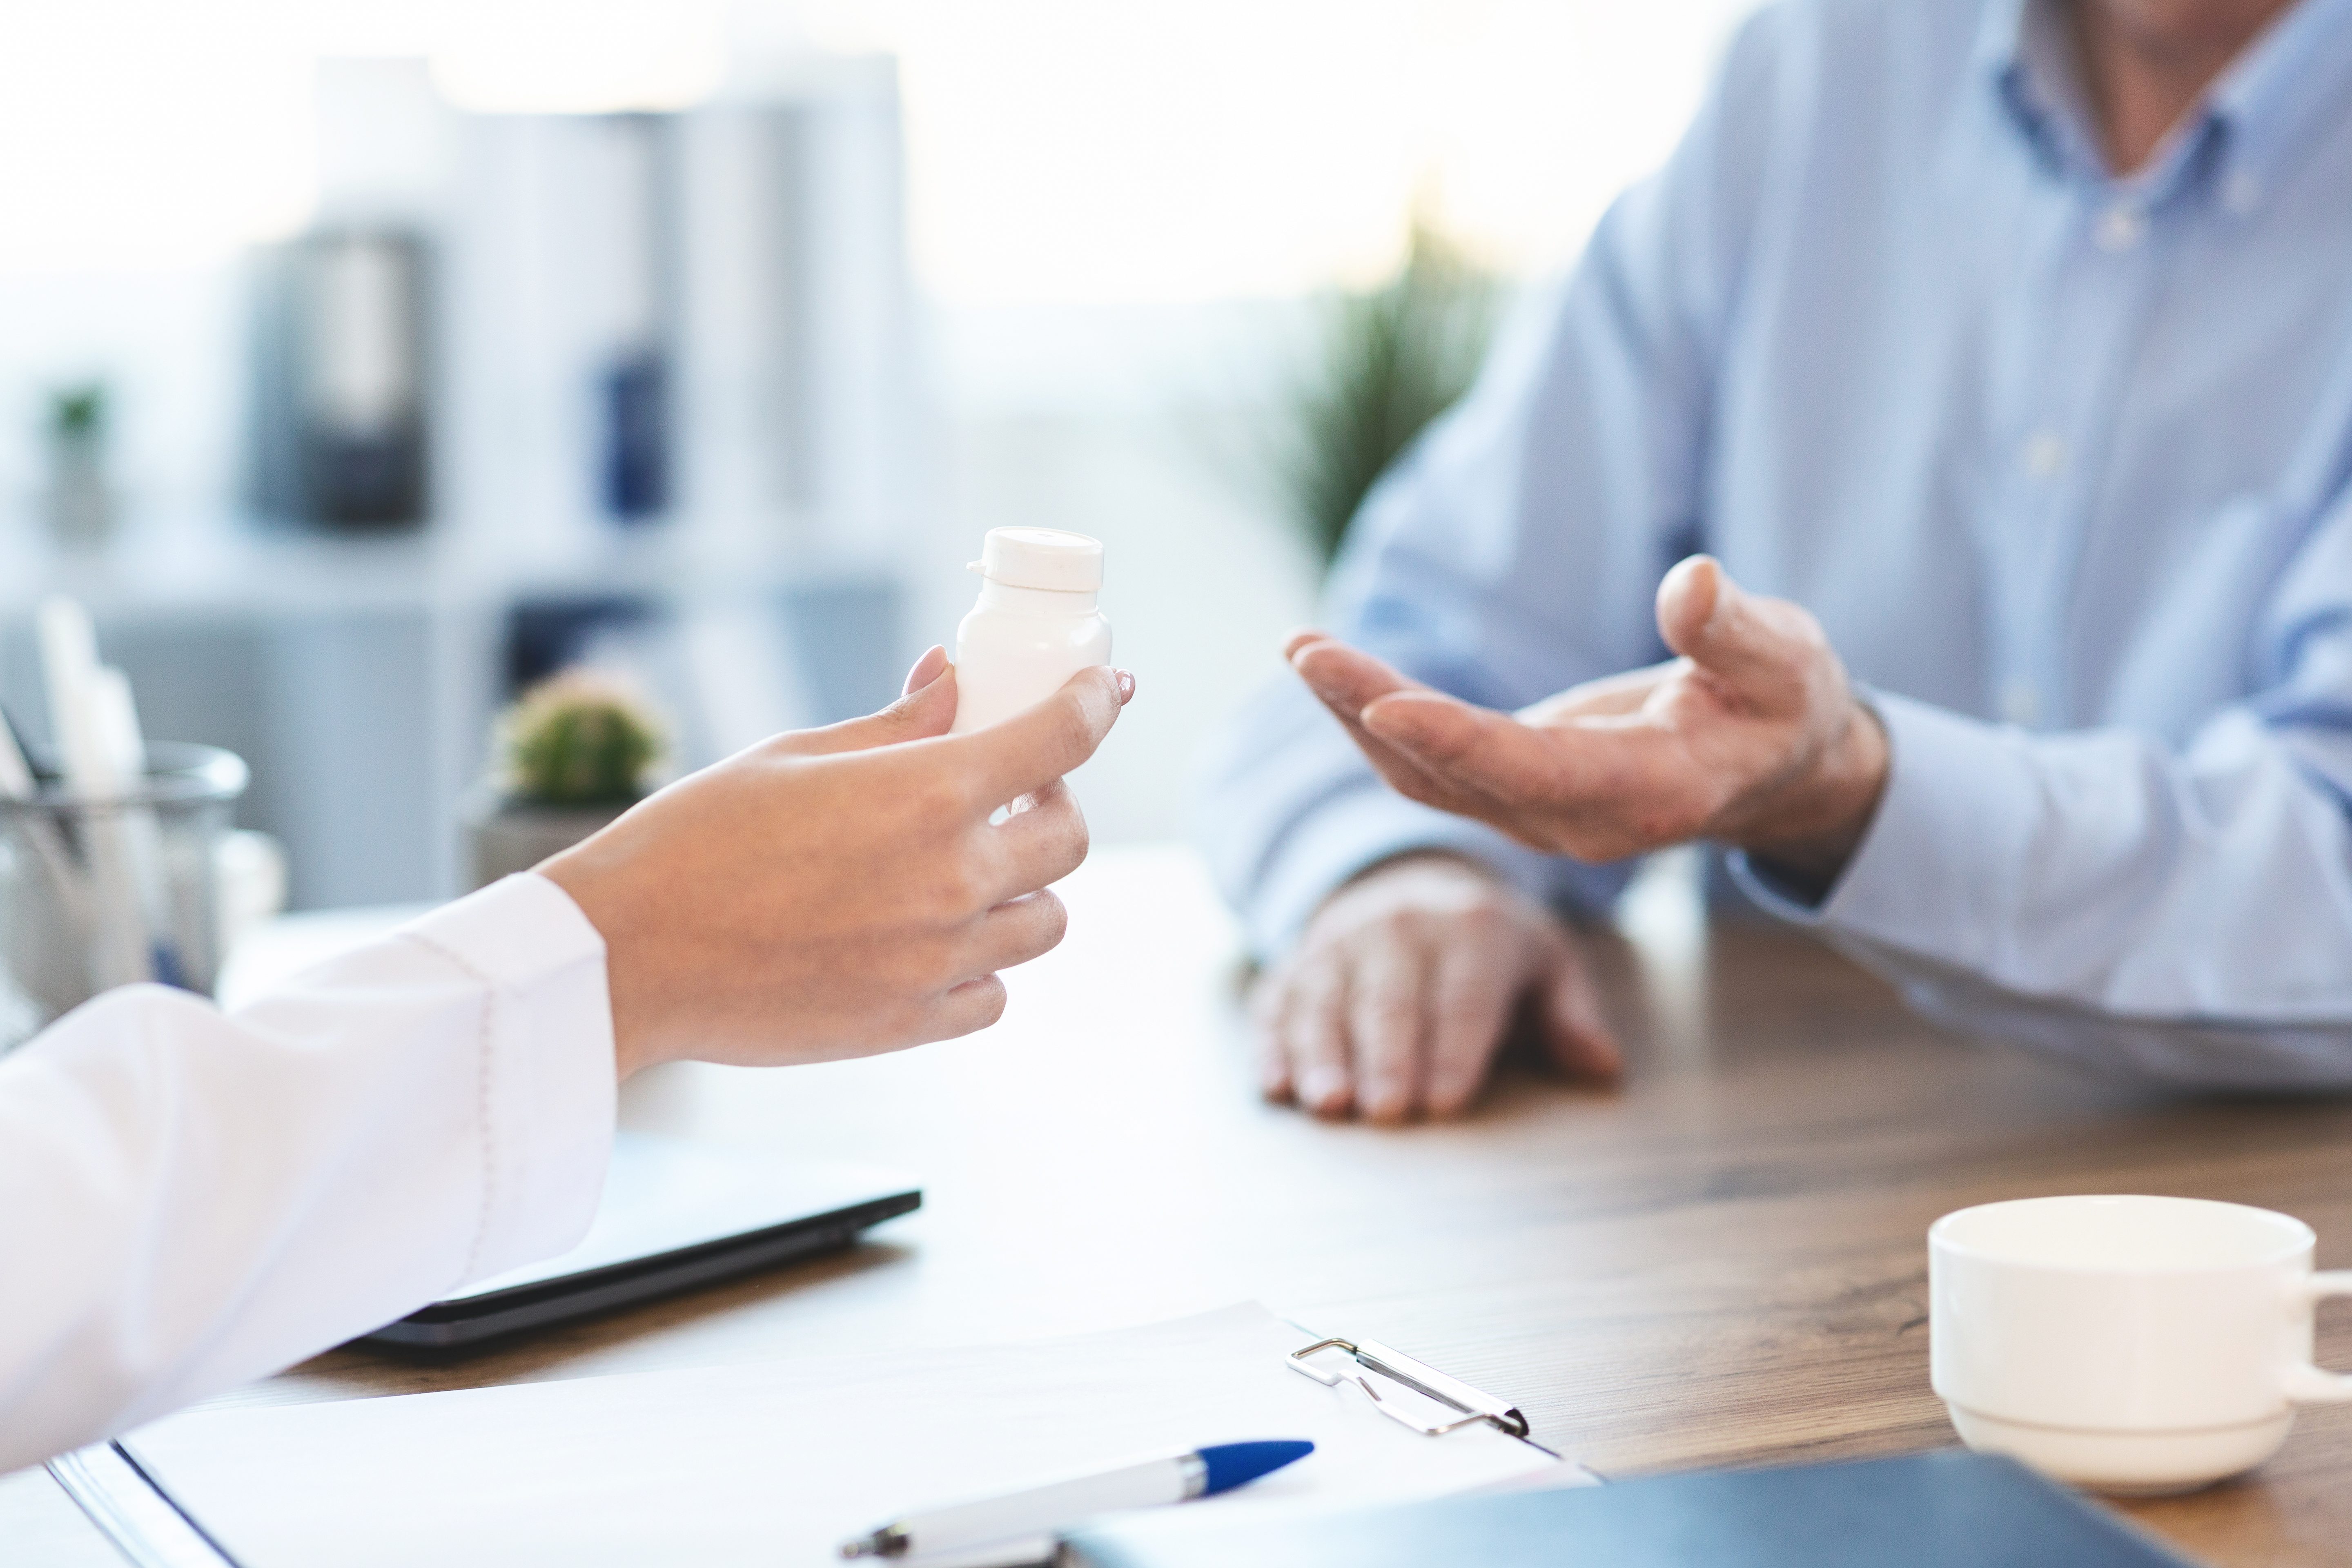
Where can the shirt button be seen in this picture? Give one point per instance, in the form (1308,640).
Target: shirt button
(2122,227)
(2019,703)
(2045,455)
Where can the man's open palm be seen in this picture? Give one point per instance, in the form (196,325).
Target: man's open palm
(1752,736)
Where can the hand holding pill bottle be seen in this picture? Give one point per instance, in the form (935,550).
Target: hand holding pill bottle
(1036,625)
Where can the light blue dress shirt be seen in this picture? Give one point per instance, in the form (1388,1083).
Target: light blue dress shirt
(2062,461)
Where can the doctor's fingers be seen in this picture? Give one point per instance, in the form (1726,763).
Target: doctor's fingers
(925,710)
(1013,934)
(1035,747)
(1008,935)
(1042,842)
(963,1010)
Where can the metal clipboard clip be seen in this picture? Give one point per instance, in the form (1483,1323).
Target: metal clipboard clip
(1369,1355)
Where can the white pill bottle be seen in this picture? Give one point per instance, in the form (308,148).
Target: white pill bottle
(1037,624)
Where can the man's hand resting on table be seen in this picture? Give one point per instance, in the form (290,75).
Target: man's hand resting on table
(841,891)
(1752,737)
(1405,983)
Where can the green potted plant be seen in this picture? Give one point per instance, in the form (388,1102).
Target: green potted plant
(574,753)
(1385,362)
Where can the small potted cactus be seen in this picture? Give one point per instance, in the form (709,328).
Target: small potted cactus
(578,750)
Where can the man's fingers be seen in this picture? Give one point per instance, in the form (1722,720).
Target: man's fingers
(1037,745)
(924,712)
(1402,773)
(1576,1034)
(1475,749)
(1317,1030)
(1344,676)
(1269,1012)
(1611,697)
(1473,989)
(1386,991)
(1042,842)
(1762,649)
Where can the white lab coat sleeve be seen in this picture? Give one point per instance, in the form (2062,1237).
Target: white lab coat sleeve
(190,1199)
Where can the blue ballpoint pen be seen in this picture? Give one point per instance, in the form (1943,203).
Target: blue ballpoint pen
(1041,1511)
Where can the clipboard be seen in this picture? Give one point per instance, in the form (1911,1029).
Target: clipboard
(257,1487)
(1471,1405)
(138,1517)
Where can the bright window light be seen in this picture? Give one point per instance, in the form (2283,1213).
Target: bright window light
(144,133)
(1076,151)
(580,56)
(1061,150)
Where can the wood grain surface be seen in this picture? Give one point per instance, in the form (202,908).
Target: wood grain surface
(1721,1261)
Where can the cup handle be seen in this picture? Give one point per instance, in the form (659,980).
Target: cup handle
(2305,1382)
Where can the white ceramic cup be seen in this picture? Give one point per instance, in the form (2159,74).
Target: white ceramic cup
(2127,1344)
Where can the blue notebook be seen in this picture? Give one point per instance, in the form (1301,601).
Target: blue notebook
(1946,1509)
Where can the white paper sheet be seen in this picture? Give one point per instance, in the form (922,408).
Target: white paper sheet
(775,1464)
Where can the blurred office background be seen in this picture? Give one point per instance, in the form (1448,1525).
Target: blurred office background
(361,361)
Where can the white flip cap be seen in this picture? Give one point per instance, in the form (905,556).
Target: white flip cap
(1041,558)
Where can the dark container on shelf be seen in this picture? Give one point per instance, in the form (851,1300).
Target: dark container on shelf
(342,397)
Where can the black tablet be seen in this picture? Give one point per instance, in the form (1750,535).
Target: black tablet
(675,1216)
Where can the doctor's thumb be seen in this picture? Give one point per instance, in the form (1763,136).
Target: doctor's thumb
(927,709)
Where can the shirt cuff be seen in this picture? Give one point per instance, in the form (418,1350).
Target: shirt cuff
(1937,872)
(547,1084)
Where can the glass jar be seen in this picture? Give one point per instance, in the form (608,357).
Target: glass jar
(101,893)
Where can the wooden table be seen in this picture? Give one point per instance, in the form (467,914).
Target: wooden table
(1723,1262)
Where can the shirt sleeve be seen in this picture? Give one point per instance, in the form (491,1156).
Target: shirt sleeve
(1517,550)
(2177,914)
(190,1199)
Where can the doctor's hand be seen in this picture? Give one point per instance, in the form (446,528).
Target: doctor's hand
(1752,737)
(1407,979)
(841,891)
